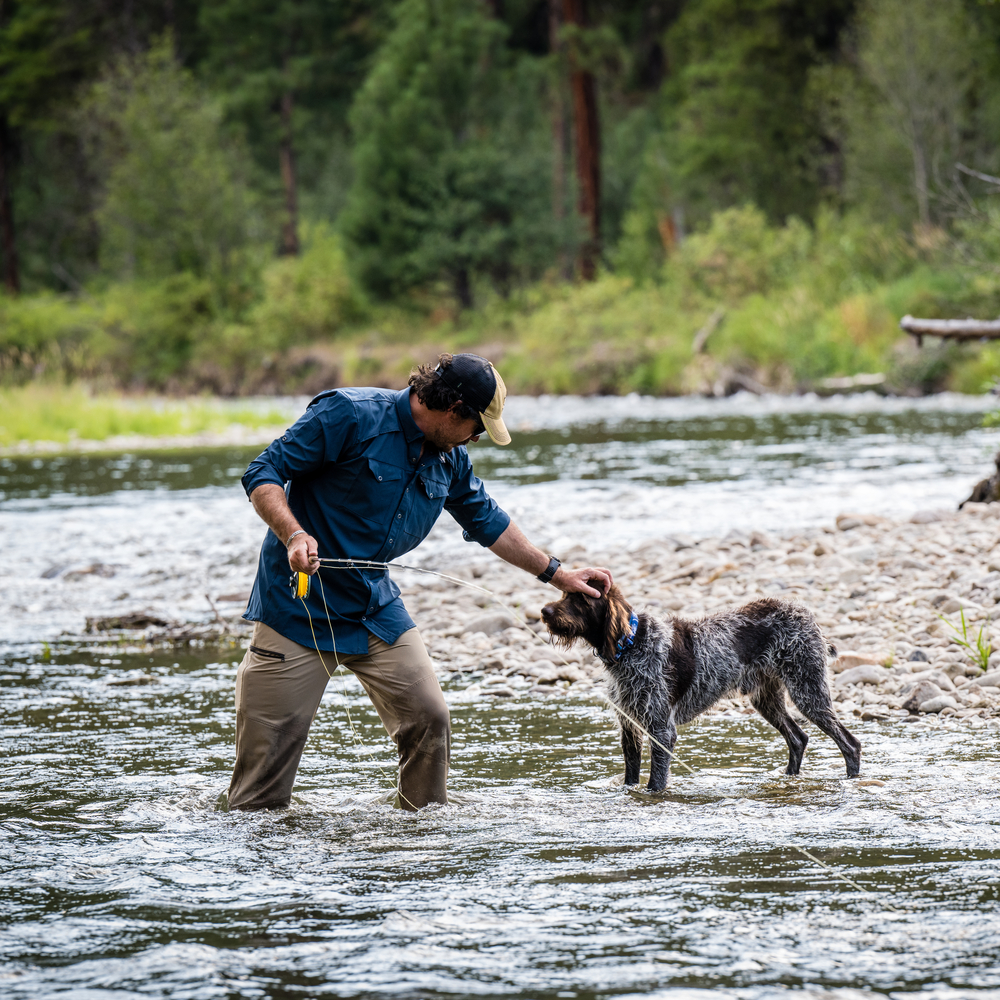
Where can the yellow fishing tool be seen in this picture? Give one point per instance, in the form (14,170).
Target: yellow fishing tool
(301,584)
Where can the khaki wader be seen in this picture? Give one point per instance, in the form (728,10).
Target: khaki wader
(279,686)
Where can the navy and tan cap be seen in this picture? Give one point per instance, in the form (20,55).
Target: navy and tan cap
(480,387)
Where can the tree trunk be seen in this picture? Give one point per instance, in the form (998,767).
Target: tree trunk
(286,154)
(11,278)
(920,182)
(588,150)
(463,287)
(558,113)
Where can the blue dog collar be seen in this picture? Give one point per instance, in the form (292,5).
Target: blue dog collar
(627,640)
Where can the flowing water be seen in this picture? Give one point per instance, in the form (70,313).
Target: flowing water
(123,876)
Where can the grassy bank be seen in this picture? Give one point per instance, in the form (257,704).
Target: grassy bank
(741,305)
(65,415)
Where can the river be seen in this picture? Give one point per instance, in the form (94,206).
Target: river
(123,877)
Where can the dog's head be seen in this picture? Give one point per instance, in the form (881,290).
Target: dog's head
(600,621)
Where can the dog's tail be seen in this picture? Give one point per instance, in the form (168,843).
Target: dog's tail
(831,649)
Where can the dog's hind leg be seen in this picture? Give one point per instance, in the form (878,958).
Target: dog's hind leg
(661,753)
(812,698)
(770,702)
(632,750)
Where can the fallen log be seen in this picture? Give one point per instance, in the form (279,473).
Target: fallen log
(951,329)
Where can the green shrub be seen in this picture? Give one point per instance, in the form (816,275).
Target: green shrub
(45,334)
(740,254)
(309,297)
(149,331)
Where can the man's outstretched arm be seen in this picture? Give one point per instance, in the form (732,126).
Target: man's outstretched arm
(272,507)
(513,547)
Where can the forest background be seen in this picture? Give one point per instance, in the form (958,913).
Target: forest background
(662,196)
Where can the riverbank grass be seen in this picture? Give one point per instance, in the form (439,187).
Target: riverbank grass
(65,414)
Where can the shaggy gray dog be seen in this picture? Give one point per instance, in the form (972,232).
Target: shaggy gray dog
(664,672)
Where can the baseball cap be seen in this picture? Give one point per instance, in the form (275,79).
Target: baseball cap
(480,387)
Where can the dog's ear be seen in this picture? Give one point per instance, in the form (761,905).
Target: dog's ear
(617,622)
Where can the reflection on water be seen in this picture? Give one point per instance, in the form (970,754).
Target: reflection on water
(542,880)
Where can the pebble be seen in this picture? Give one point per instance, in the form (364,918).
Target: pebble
(864,674)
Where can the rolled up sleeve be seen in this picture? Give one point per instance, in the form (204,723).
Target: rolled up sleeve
(481,518)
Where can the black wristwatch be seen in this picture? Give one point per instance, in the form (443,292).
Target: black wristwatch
(550,570)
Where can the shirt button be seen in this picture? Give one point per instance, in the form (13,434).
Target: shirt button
(398,516)
(363,618)
(380,479)
(390,539)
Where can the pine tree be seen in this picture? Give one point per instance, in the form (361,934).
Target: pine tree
(452,175)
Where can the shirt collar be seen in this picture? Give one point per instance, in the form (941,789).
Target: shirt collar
(406,421)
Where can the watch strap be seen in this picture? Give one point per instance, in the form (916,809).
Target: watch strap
(550,570)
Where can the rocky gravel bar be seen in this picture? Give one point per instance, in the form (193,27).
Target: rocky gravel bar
(896,599)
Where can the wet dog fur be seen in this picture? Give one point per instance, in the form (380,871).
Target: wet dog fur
(676,669)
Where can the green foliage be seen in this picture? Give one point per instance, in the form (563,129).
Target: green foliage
(447,180)
(979,649)
(904,118)
(743,128)
(176,198)
(150,330)
(256,51)
(740,254)
(42,333)
(310,297)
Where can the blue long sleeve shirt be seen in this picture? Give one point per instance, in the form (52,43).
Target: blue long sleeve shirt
(352,470)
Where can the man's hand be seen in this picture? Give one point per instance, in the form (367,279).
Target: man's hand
(303,554)
(575,581)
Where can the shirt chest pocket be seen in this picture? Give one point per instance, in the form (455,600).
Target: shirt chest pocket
(377,491)
(431,491)
(435,486)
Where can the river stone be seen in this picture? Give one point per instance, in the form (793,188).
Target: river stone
(918,656)
(500,691)
(954,604)
(934,705)
(845,522)
(992,679)
(926,517)
(849,659)
(861,553)
(924,691)
(139,680)
(938,677)
(489,624)
(866,673)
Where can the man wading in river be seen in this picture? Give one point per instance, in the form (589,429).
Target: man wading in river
(364,474)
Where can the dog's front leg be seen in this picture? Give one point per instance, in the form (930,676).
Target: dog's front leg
(661,752)
(632,751)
